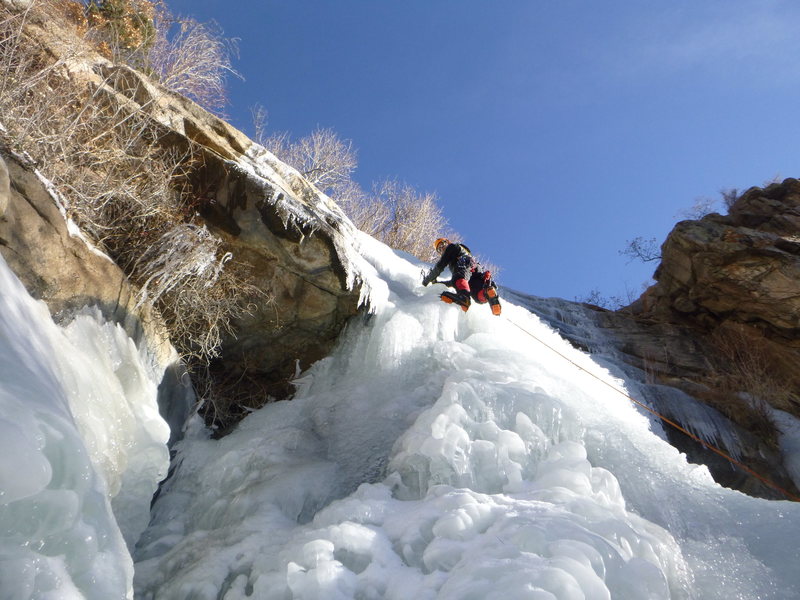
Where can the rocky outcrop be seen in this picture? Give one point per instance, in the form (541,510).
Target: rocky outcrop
(735,279)
(293,241)
(722,324)
(282,231)
(292,238)
(57,265)
(743,267)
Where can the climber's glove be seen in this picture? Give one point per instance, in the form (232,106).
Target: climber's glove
(427,279)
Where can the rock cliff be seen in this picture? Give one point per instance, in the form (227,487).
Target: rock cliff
(722,324)
(736,279)
(289,237)
(56,264)
(742,267)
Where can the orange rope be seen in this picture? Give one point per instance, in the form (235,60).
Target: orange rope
(711,447)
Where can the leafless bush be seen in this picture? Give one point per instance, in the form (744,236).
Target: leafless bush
(27,85)
(186,56)
(322,158)
(184,274)
(751,362)
(122,189)
(260,117)
(596,298)
(118,181)
(747,377)
(702,206)
(414,219)
(729,196)
(186,252)
(394,213)
(643,249)
(124,30)
(194,61)
(399,216)
(199,314)
(357,205)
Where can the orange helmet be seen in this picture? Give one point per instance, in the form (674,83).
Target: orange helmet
(439,242)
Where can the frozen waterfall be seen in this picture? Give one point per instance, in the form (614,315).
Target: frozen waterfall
(437,454)
(433,454)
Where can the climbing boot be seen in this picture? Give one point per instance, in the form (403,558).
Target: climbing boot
(494,300)
(461,299)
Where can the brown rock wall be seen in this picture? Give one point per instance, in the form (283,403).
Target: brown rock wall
(743,267)
(277,227)
(722,323)
(61,268)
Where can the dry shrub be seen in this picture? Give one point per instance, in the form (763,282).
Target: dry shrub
(399,216)
(122,188)
(184,55)
(126,29)
(193,59)
(395,213)
(75,12)
(201,311)
(413,221)
(324,159)
(748,379)
(730,196)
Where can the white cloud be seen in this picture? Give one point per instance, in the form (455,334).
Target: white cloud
(759,40)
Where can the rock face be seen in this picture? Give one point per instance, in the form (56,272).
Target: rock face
(722,324)
(743,267)
(735,279)
(56,265)
(288,236)
(61,268)
(292,238)
(294,241)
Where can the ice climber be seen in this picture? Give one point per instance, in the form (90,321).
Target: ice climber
(469,279)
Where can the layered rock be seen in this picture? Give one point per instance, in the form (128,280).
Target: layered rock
(57,265)
(736,279)
(290,238)
(722,324)
(744,266)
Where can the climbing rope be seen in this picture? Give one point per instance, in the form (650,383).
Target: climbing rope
(707,445)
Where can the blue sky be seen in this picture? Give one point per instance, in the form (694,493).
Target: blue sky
(553,131)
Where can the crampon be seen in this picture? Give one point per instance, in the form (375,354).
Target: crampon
(451,298)
(494,301)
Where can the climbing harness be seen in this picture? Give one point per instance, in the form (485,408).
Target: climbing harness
(707,445)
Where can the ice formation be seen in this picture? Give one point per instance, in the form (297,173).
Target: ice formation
(433,454)
(437,454)
(82,449)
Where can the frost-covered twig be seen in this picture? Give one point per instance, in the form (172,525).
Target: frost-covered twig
(185,252)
